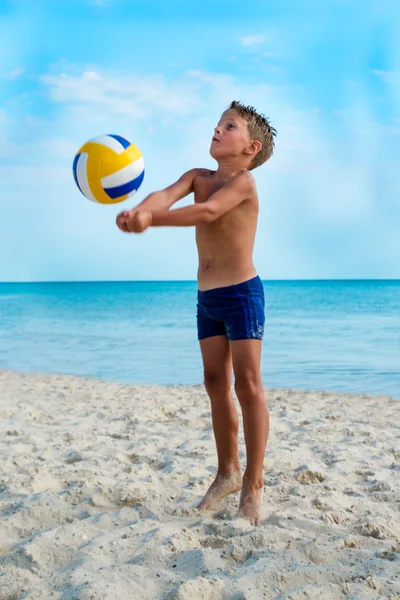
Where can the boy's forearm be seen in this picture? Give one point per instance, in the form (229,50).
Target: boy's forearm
(155,201)
(182,217)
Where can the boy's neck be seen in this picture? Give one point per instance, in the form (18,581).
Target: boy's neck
(229,168)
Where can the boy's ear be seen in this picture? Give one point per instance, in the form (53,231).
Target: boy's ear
(254,147)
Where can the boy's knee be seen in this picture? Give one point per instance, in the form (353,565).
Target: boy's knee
(248,387)
(216,382)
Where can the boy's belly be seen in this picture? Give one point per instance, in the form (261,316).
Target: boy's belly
(225,254)
(214,273)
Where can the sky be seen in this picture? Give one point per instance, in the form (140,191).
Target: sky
(326,73)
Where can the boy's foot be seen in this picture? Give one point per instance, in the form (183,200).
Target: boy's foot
(250,504)
(222,486)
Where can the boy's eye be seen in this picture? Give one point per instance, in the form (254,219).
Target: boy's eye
(230,125)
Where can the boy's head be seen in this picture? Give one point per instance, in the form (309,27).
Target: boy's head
(242,131)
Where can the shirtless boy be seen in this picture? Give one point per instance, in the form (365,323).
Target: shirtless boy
(230,309)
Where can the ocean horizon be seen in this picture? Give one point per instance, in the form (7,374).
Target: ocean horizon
(329,280)
(320,334)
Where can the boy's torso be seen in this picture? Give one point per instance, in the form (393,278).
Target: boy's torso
(225,246)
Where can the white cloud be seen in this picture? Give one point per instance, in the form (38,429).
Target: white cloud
(3,117)
(59,148)
(133,96)
(386,76)
(251,40)
(15,73)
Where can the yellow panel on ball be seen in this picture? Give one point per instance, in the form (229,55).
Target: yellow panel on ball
(94,169)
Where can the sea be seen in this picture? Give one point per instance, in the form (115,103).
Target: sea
(320,335)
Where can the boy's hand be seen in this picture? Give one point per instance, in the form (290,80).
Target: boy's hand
(139,221)
(121,221)
(134,221)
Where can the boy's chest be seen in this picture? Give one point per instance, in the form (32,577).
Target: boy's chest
(204,187)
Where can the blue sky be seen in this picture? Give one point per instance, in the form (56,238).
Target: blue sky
(327,73)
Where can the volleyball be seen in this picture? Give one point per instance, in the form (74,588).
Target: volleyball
(108,169)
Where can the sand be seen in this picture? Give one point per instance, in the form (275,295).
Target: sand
(99,484)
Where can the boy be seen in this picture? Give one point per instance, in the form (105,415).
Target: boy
(230,309)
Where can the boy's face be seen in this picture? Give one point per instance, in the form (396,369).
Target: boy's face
(231,136)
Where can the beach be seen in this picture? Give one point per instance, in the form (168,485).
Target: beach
(99,483)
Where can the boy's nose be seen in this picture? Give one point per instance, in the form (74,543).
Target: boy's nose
(217,129)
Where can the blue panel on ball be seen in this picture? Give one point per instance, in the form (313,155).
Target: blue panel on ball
(74,171)
(126,188)
(121,140)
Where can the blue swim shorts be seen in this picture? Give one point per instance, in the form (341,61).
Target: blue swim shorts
(236,311)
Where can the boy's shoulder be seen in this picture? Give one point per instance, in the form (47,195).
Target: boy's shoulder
(244,182)
(246,177)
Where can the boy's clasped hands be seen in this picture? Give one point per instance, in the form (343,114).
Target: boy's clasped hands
(134,221)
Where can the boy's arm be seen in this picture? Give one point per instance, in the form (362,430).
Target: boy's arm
(240,188)
(128,220)
(163,199)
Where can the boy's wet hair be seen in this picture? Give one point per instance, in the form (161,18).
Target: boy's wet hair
(259,128)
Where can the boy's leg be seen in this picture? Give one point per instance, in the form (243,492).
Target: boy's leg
(246,357)
(217,361)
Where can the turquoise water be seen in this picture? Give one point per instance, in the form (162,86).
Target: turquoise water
(331,335)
